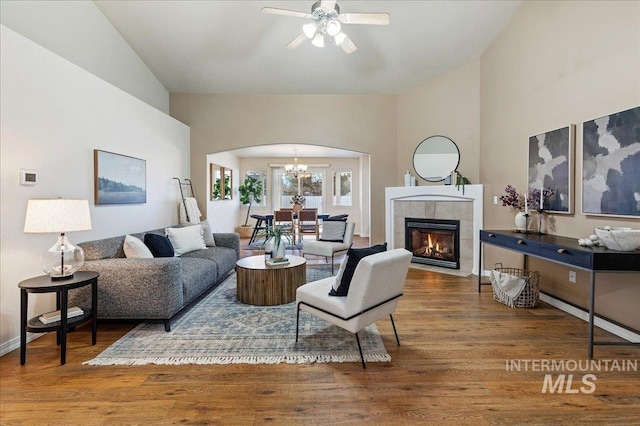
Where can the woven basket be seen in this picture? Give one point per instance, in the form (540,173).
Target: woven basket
(530,295)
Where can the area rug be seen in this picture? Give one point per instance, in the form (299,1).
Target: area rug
(221,330)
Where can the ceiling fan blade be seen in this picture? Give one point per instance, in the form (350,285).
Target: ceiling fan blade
(347,45)
(328,4)
(364,18)
(286,12)
(297,41)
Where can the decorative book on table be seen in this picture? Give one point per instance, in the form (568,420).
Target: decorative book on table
(50,317)
(277,262)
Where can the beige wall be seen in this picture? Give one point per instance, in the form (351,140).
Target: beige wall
(558,63)
(363,123)
(448,105)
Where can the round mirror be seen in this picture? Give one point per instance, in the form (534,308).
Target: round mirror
(436,158)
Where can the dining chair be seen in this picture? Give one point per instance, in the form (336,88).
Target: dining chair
(308,223)
(284,220)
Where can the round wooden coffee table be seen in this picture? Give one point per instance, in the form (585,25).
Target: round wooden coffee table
(259,284)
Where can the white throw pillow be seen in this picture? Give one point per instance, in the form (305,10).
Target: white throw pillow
(187,239)
(134,248)
(208,235)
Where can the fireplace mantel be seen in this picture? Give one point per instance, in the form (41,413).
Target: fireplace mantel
(435,193)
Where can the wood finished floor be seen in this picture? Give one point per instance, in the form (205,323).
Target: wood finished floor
(449,369)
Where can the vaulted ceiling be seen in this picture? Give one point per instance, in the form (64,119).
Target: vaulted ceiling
(232,47)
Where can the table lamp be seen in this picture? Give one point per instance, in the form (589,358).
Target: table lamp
(60,216)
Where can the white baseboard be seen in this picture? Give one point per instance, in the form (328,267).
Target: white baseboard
(13,344)
(584,315)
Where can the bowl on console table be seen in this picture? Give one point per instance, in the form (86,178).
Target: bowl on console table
(620,239)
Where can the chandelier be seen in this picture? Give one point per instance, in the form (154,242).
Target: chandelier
(295,169)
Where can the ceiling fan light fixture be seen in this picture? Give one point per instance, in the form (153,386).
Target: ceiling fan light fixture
(309,29)
(333,27)
(339,38)
(318,40)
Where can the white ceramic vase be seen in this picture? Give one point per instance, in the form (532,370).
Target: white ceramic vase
(521,221)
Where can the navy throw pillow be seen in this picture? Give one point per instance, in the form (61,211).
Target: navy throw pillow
(353,258)
(159,245)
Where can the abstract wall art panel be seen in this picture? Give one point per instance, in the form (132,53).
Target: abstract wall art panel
(551,165)
(611,165)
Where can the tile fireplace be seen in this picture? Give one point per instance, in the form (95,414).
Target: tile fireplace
(439,202)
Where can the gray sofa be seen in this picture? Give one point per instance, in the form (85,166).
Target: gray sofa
(155,288)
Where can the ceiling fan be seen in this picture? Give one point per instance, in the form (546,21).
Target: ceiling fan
(327,24)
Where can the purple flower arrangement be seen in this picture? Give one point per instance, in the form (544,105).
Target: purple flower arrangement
(516,201)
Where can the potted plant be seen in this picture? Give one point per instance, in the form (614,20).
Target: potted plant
(250,191)
(521,203)
(274,240)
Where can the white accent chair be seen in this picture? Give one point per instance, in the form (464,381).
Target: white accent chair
(331,248)
(374,292)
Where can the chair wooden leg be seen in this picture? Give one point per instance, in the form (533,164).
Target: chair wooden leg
(394,329)
(360,349)
(332,261)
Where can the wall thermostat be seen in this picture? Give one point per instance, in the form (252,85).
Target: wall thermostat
(28,177)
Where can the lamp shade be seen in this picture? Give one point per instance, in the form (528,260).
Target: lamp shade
(60,216)
(57,215)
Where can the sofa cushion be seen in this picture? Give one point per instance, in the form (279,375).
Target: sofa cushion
(197,275)
(106,248)
(223,257)
(353,258)
(186,239)
(159,245)
(134,248)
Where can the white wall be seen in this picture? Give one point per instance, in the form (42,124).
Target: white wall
(54,114)
(222,214)
(80,33)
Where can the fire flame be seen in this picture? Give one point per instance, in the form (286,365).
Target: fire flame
(432,247)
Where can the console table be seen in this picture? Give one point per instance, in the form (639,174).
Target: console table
(565,251)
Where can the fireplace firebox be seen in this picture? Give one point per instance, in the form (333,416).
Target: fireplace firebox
(433,241)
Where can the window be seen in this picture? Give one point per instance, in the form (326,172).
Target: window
(286,186)
(342,194)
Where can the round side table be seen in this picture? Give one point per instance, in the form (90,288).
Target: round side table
(259,284)
(44,284)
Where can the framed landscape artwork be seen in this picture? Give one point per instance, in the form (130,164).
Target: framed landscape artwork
(551,165)
(119,179)
(611,165)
